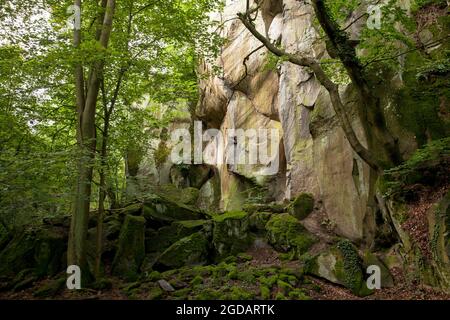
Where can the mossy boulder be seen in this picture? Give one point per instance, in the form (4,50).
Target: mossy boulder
(134,209)
(231,233)
(264,207)
(164,210)
(187,195)
(188,251)
(41,248)
(285,233)
(370,259)
(161,239)
(302,206)
(341,264)
(131,248)
(258,220)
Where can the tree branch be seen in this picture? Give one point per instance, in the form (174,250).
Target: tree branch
(329,85)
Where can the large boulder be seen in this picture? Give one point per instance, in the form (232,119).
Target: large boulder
(41,248)
(341,264)
(131,248)
(231,233)
(164,237)
(302,206)
(285,233)
(165,210)
(209,195)
(188,251)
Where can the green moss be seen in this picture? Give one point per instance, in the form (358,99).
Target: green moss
(238,293)
(280,296)
(251,208)
(292,280)
(182,293)
(230,234)
(424,89)
(258,220)
(40,248)
(231,215)
(246,276)
(244,257)
(302,206)
(131,248)
(284,286)
(269,281)
(286,233)
(158,241)
(298,294)
(426,167)
(264,292)
(154,276)
(197,280)
(134,209)
(155,293)
(191,250)
(349,269)
(209,294)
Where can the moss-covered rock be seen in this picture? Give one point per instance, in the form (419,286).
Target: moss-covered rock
(370,259)
(285,233)
(302,206)
(41,248)
(165,210)
(161,239)
(258,220)
(263,207)
(238,293)
(131,248)
(188,251)
(231,233)
(134,209)
(187,195)
(341,264)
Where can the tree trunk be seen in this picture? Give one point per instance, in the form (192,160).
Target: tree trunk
(86,135)
(101,198)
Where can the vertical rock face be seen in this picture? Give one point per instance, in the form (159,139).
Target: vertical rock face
(314,155)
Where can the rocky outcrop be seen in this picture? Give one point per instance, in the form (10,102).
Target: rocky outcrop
(313,154)
(415,198)
(341,264)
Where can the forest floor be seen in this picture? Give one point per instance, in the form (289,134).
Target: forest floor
(259,265)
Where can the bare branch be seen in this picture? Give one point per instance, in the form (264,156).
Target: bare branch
(331,87)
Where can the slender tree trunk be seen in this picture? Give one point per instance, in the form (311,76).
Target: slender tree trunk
(86,135)
(101,196)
